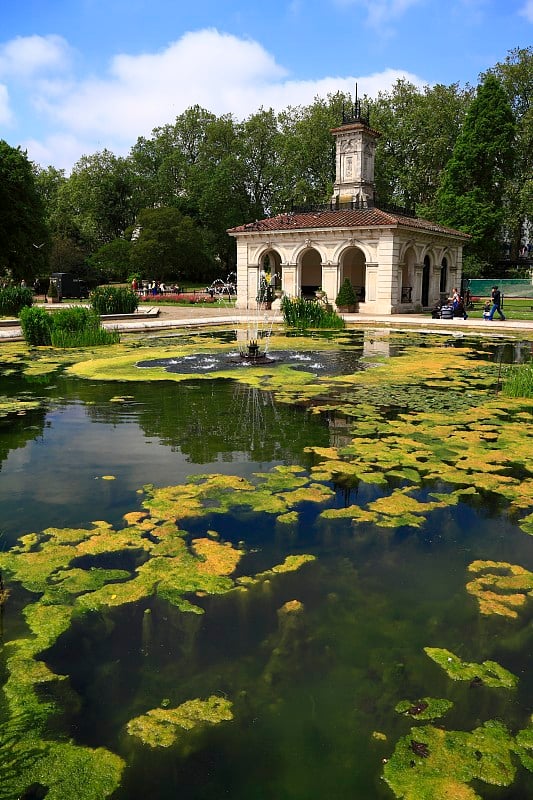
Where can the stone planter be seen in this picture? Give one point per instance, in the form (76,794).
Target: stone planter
(347,309)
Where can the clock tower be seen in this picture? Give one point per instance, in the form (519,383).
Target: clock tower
(355,154)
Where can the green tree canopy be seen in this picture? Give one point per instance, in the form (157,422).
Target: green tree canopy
(24,237)
(112,260)
(418,132)
(169,246)
(516,77)
(471,193)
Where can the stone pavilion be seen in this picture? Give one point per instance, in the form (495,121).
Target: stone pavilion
(397,262)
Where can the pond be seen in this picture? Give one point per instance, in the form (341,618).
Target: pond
(275,582)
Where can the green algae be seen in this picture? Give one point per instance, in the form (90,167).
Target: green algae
(218,494)
(17,406)
(500,588)
(71,771)
(489,673)
(432,763)
(164,727)
(483,448)
(290,564)
(425,708)
(524,746)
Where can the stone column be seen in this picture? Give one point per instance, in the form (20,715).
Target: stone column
(329,280)
(434,285)
(399,284)
(291,285)
(371,283)
(253,285)
(417,288)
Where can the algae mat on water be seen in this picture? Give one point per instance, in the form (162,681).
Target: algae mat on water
(426,430)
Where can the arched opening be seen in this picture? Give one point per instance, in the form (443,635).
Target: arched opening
(310,273)
(270,267)
(408,272)
(443,282)
(425,282)
(353,267)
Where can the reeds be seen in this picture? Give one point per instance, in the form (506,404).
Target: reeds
(518,381)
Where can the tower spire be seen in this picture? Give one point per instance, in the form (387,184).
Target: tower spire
(356,114)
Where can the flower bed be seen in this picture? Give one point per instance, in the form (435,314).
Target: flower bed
(185,297)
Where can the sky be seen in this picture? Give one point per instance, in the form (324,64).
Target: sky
(81,76)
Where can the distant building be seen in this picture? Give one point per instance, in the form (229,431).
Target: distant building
(396,261)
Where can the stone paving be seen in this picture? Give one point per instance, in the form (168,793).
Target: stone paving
(150,318)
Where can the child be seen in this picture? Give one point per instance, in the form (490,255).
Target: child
(486,309)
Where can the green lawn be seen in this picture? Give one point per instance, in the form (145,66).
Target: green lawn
(513,308)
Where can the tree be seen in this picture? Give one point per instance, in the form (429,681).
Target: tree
(169,246)
(418,132)
(111,261)
(470,196)
(516,77)
(97,198)
(24,237)
(308,152)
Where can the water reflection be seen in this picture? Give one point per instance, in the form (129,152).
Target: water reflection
(54,460)
(309,691)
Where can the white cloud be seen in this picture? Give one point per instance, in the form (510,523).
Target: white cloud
(220,72)
(527,10)
(380,13)
(60,150)
(27,56)
(5,111)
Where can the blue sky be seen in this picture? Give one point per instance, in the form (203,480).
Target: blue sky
(78,76)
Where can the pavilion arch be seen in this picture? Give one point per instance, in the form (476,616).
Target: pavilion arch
(444,276)
(409,261)
(270,264)
(353,266)
(310,270)
(426,280)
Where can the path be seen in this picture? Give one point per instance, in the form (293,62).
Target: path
(192,316)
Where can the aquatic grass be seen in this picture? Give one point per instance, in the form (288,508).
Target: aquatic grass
(13,299)
(518,380)
(87,338)
(304,314)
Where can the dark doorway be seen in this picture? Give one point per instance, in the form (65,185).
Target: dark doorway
(425,282)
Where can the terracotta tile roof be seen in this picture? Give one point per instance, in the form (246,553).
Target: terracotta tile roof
(356,218)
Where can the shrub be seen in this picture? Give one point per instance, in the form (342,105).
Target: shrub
(52,290)
(70,327)
(347,295)
(114,300)
(79,327)
(13,299)
(77,318)
(300,313)
(36,326)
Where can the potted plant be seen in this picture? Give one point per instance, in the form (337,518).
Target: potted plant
(53,294)
(320,293)
(346,300)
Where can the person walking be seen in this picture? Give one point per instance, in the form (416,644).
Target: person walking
(496,298)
